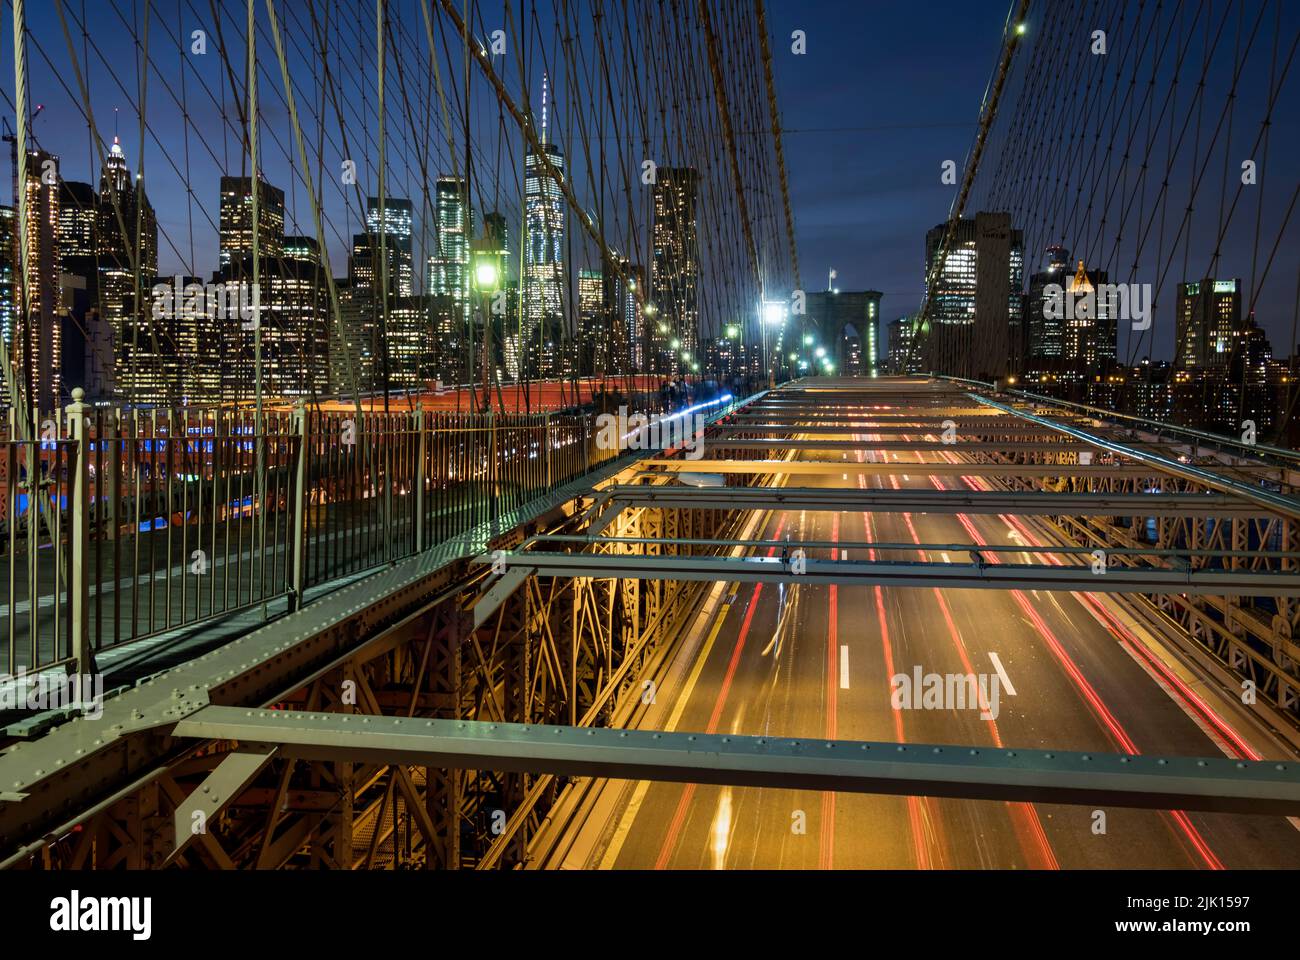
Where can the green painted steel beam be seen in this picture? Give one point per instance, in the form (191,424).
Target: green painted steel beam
(974,773)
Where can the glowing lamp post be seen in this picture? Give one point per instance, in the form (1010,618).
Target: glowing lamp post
(487,271)
(772,313)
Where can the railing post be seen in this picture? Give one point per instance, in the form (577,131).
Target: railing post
(79,533)
(550,451)
(300,503)
(494,477)
(419,476)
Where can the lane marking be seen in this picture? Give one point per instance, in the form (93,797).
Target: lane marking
(684,804)
(1002,674)
(844,667)
(624,828)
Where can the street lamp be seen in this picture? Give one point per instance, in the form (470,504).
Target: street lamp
(807,339)
(819,352)
(487,268)
(772,313)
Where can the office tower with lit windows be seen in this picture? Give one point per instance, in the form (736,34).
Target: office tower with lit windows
(8,281)
(1246,392)
(976,298)
(447,268)
(35,346)
(1208,315)
(127,238)
(78,213)
(1042,329)
(1089,338)
(351,354)
(380,272)
(635,327)
(88,343)
(236,219)
(410,343)
(382,262)
(675,271)
(396,221)
(593,331)
(623,322)
(294,319)
(543,260)
(903,359)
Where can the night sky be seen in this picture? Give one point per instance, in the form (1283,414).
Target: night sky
(885,91)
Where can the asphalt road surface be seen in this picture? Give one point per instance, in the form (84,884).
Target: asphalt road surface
(816,661)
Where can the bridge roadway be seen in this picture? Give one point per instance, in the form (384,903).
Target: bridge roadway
(1091,672)
(1086,677)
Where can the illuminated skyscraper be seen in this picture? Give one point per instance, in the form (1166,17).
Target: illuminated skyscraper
(976,300)
(622,323)
(543,251)
(78,213)
(676,269)
(1089,338)
(236,223)
(127,229)
(902,358)
(447,269)
(294,318)
(35,347)
(1209,314)
(8,282)
(1043,331)
(396,242)
(593,332)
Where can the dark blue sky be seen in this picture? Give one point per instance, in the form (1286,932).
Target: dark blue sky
(910,76)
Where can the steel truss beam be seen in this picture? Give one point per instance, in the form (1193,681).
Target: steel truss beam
(903,467)
(1031,776)
(718,437)
(1003,576)
(1275,502)
(935,501)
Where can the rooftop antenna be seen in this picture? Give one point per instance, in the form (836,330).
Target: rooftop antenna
(544,83)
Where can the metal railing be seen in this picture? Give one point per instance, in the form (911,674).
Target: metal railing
(35,475)
(120,525)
